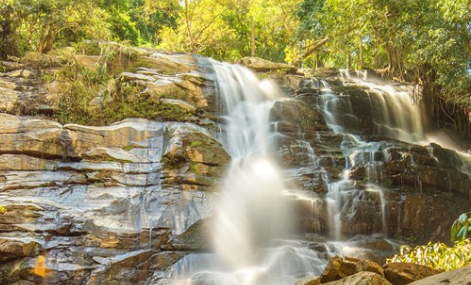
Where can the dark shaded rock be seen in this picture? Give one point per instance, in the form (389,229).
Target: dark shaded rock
(427,218)
(294,116)
(374,248)
(197,237)
(402,273)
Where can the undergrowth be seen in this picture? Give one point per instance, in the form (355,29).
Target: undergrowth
(437,255)
(77,86)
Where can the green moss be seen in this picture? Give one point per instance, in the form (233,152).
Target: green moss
(194,168)
(196,143)
(128,148)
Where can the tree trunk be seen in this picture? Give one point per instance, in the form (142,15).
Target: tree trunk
(252,38)
(377,52)
(377,56)
(395,68)
(430,100)
(360,56)
(349,61)
(188,27)
(46,41)
(311,49)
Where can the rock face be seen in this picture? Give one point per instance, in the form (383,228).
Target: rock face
(105,205)
(85,187)
(414,191)
(121,204)
(402,273)
(455,277)
(361,278)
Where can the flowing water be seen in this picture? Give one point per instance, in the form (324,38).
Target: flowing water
(252,221)
(395,116)
(253,238)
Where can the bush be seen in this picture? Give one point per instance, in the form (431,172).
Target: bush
(461,228)
(78,85)
(437,255)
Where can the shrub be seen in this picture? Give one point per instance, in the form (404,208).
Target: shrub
(437,255)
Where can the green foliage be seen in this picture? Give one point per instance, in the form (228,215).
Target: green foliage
(196,143)
(461,228)
(223,29)
(78,86)
(2,210)
(129,102)
(437,255)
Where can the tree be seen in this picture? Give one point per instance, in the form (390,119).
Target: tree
(40,22)
(7,28)
(426,42)
(200,29)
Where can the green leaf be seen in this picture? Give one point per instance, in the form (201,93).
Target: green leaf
(462,219)
(462,233)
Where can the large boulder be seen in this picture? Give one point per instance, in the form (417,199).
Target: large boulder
(454,277)
(362,278)
(12,249)
(193,158)
(339,268)
(402,273)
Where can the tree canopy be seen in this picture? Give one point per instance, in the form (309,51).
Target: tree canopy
(426,42)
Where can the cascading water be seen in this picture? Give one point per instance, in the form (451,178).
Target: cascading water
(252,221)
(254,238)
(395,116)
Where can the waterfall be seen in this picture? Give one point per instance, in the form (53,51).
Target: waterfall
(250,208)
(252,223)
(253,226)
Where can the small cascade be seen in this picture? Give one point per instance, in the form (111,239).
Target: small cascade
(388,104)
(396,115)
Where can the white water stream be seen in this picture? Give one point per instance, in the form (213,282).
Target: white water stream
(252,222)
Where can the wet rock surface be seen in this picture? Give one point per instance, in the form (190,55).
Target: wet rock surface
(397,188)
